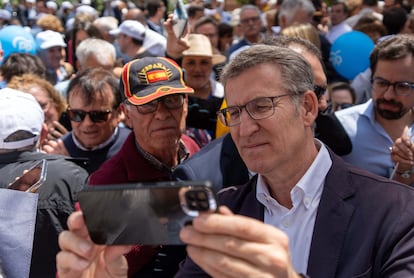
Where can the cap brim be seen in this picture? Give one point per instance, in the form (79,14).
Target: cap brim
(49,45)
(218,59)
(160,92)
(115,32)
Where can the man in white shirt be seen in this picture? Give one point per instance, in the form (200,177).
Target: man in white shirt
(338,13)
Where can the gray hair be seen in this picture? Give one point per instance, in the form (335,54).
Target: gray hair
(296,72)
(250,7)
(290,7)
(103,51)
(106,23)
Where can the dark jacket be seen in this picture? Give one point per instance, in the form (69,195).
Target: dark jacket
(96,157)
(364,225)
(219,162)
(57,197)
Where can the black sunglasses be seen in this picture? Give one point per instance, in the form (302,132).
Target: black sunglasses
(319,91)
(77,115)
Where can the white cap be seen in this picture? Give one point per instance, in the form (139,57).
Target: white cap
(69,24)
(48,39)
(31,1)
(66,5)
(5,14)
(51,5)
(85,9)
(19,111)
(130,28)
(86,2)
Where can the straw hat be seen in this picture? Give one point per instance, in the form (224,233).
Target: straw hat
(200,46)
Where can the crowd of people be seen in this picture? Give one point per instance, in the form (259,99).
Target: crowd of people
(313,171)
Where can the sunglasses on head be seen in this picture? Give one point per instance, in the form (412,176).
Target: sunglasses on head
(77,115)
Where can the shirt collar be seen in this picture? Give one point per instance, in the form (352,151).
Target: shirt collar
(100,146)
(309,187)
(182,154)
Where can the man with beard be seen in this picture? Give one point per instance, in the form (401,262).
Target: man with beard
(374,126)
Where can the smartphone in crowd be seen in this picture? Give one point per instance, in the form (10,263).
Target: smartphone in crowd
(31,179)
(180,19)
(144,213)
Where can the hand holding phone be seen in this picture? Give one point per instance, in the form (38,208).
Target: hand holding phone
(31,179)
(142,213)
(180,19)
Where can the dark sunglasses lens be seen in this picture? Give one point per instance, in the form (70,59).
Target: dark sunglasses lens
(76,115)
(98,116)
(345,105)
(95,116)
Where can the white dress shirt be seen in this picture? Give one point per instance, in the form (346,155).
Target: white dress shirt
(299,221)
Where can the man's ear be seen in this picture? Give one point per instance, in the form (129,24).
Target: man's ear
(310,105)
(125,111)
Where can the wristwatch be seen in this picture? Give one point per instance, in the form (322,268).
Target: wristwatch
(405,174)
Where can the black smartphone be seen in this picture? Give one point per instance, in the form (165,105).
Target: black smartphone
(180,19)
(144,213)
(31,179)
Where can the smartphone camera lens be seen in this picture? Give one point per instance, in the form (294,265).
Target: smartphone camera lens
(197,200)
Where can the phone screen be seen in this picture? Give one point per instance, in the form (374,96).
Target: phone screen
(146,214)
(32,179)
(180,19)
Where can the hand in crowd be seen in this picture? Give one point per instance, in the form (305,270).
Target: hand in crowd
(175,46)
(56,131)
(227,245)
(55,147)
(80,257)
(402,152)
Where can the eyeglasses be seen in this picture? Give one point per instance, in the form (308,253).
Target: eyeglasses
(77,115)
(258,109)
(252,19)
(400,88)
(319,91)
(171,102)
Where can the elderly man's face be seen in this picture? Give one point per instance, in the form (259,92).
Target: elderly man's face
(250,23)
(158,133)
(89,133)
(274,142)
(52,57)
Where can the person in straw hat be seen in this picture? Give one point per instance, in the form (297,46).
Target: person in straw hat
(197,62)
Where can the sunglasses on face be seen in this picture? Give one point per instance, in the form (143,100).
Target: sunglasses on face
(77,115)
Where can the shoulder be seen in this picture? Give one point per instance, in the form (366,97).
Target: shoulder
(347,180)
(237,197)
(111,170)
(124,132)
(199,165)
(236,46)
(190,144)
(352,114)
(121,137)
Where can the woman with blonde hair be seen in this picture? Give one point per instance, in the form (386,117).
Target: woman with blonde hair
(49,99)
(50,22)
(306,31)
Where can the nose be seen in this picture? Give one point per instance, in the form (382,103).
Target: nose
(390,92)
(162,112)
(247,125)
